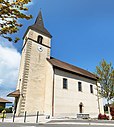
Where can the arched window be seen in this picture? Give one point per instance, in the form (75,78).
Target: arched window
(39,40)
(81,107)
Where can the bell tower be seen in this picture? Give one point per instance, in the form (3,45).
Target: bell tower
(32,75)
(39,34)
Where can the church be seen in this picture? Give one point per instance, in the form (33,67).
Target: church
(51,86)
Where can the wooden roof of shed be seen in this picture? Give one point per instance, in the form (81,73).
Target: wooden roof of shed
(14,94)
(4,101)
(71,68)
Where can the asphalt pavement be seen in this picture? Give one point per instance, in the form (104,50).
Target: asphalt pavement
(47,125)
(64,123)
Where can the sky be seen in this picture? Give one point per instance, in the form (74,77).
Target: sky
(82,30)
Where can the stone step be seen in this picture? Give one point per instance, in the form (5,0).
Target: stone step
(22,109)
(25,77)
(26,65)
(24,88)
(28,56)
(23,102)
(26,72)
(26,69)
(27,62)
(24,93)
(29,46)
(28,50)
(22,105)
(25,82)
(22,113)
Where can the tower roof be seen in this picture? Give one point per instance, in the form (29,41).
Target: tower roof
(39,20)
(38,26)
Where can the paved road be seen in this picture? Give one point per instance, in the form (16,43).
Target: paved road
(47,125)
(50,125)
(82,121)
(64,123)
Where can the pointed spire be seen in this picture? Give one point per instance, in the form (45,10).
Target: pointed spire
(38,26)
(39,20)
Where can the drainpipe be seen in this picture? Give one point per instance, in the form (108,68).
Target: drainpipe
(98,97)
(53,93)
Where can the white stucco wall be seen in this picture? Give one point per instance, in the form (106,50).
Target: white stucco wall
(67,100)
(48,89)
(37,80)
(34,95)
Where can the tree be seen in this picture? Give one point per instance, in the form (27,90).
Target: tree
(105,74)
(10,12)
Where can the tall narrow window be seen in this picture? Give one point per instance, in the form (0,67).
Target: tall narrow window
(79,86)
(39,40)
(81,107)
(91,88)
(65,83)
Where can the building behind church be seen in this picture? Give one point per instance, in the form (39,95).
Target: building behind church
(51,86)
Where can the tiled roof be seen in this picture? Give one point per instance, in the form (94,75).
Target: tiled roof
(71,68)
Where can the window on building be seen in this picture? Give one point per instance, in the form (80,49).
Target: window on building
(65,83)
(39,40)
(91,88)
(79,86)
(81,107)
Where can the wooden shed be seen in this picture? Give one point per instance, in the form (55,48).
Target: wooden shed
(3,102)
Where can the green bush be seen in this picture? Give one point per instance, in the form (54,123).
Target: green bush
(8,110)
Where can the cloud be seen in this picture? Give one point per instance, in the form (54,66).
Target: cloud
(9,68)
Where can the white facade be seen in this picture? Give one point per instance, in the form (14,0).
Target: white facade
(67,101)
